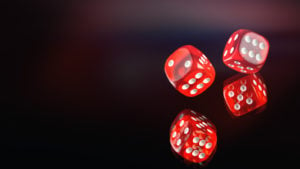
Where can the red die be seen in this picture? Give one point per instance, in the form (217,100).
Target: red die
(245,94)
(193,136)
(189,71)
(246,51)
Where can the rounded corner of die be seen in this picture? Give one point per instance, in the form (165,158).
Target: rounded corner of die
(268,44)
(189,95)
(244,30)
(224,91)
(187,47)
(240,31)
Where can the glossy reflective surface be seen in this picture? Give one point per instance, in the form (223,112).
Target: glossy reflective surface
(85,85)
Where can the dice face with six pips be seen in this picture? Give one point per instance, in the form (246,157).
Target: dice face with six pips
(246,51)
(189,71)
(245,94)
(193,136)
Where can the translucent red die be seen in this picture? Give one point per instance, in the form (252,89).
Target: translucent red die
(189,71)
(193,136)
(246,51)
(245,94)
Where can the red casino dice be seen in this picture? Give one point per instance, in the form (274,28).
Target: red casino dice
(189,71)
(244,94)
(193,136)
(246,51)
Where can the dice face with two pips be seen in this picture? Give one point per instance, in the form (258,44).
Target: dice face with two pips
(193,136)
(189,71)
(245,94)
(246,51)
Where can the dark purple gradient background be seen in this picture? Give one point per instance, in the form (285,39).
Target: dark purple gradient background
(84,83)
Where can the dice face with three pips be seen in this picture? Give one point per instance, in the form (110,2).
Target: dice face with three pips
(189,71)
(245,94)
(246,51)
(193,136)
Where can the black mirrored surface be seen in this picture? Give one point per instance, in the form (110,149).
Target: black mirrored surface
(85,84)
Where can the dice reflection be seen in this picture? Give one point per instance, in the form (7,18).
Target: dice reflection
(193,137)
(244,94)
(192,164)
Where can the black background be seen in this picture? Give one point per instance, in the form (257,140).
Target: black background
(84,83)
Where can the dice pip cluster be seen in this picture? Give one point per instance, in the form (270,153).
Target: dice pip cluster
(192,135)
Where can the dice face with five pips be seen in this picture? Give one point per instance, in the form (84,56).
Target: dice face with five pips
(246,51)
(189,71)
(193,136)
(245,94)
